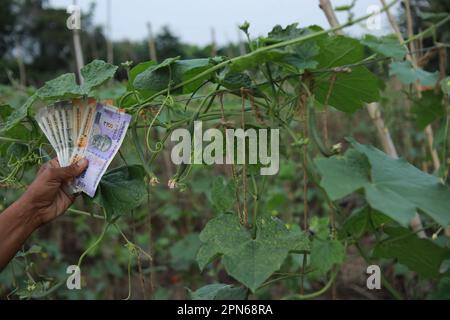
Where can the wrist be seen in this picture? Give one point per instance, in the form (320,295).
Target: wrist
(27,213)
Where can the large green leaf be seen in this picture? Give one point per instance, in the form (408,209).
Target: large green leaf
(137,69)
(121,190)
(250,261)
(95,74)
(219,291)
(65,86)
(350,89)
(392,186)
(299,56)
(407,74)
(387,46)
(420,255)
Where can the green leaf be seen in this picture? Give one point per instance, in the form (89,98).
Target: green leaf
(278,33)
(121,190)
(236,80)
(5,111)
(420,255)
(95,74)
(222,195)
(256,59)
(325,254)
(392,186)
(387,46)
(17,115)
(138,69)
(302,56)
(362,220)
(62,87)
(250,261)
(187,69)
(350,89)
(428,109)
(65,86)
(219,291)
(173,71)
(407,74)
(342,175)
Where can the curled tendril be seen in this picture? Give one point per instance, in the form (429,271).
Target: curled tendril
(158,146)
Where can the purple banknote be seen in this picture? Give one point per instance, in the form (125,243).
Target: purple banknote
(108,131)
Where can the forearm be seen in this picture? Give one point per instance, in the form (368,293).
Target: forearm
(16,225)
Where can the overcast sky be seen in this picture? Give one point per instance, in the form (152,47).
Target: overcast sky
(192,20)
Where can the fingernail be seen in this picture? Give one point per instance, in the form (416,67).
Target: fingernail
(81,162)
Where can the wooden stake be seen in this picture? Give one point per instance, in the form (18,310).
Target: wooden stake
(151,43)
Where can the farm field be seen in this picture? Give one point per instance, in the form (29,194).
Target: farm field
(337,188)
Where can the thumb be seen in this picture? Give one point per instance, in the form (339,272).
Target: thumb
(72,171)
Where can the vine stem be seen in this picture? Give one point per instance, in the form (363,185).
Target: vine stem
(95,244)
(149,257)
(268,48)
(7,139)
(316,293)
(85,213)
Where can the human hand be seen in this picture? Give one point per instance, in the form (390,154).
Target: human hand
(46,194)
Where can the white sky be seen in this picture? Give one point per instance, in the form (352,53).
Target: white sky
(192,20)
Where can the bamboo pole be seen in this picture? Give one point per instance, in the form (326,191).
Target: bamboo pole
(213,42)
(151,43)
(109,45)
(79,61)
(21,65)
(428,130)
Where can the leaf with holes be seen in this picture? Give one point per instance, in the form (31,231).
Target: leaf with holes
(250,261)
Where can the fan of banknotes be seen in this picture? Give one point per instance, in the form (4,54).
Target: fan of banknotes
(84,129)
